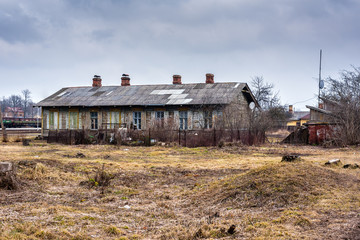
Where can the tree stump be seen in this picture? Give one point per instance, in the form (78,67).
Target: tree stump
(26,142)
(8,179)
(290,158)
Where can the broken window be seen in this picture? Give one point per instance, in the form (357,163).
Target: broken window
(94,120)
(183,117)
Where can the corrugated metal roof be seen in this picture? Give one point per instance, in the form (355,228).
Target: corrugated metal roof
(319,109)
(145,95)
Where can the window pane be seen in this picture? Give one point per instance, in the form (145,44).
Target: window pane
(183,119)
(94,120)
(160,115)
(137,120)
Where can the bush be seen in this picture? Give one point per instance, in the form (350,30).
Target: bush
(101,179)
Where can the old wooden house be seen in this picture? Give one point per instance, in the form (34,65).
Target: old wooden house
(176,105)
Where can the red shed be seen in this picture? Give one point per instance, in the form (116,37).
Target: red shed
(320,132)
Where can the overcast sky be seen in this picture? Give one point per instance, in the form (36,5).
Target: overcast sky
(49,44)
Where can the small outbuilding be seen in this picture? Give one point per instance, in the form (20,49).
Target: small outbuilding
(320,127)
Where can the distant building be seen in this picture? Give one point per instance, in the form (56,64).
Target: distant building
(297,118)
(182,106)
(322,113)
(13,112)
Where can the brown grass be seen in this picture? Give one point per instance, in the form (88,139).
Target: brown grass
(279,185)
(180,193)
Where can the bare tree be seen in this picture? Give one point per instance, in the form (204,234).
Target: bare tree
(271,114)
(264,93)
(32,108)
(26,100)
(342,97)
(4,135)
(15,104)
(4,104)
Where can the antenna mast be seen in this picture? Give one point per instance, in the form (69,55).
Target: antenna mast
(321,85)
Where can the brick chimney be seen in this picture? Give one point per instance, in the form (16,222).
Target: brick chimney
(291,109)
(210,78)
(96,81)
(125,80)
(176,79)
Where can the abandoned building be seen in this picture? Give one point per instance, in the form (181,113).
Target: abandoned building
(176,105)
(322,113)
(321,127)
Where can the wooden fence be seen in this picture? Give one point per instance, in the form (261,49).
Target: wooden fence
(186,138)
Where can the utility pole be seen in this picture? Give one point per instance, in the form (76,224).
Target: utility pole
(4,135)
(320,83)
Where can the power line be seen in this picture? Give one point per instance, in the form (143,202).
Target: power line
(304,100)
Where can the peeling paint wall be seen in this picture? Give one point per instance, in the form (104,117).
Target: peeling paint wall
(319,133)
(80,118)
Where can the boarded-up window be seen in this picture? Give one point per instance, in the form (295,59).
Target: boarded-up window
(159,116)
(196,120)
(53,120)
(45,119)
(74,120)
(114,119)
(208,119)
(64,120)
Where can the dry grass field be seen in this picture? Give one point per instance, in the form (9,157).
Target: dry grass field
(180,193)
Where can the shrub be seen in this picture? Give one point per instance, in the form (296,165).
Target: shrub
(101,179)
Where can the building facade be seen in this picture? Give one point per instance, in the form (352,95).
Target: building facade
(172,106)
(13,112)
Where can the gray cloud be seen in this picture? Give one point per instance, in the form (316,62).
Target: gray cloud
(17,26)
(155,39)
